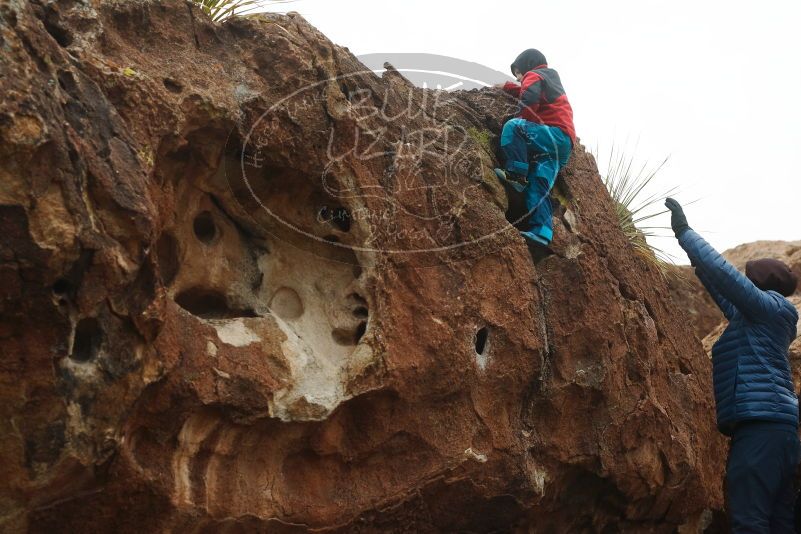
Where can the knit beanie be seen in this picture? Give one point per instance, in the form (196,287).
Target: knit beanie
(769,274)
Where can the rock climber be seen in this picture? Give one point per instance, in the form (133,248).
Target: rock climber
(755,398)
(541,133)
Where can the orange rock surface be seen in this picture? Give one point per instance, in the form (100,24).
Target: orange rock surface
(219,314)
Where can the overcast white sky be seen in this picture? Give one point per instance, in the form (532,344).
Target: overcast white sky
(715,85)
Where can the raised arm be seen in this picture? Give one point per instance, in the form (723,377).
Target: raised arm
(511,88)
(725,306)
(731,283)
(721,275)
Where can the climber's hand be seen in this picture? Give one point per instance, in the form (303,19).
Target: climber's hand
(678,221)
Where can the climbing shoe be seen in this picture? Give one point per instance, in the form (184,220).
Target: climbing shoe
(515,181)
(533,238)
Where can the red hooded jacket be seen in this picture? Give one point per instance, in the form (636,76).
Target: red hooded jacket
(543,99)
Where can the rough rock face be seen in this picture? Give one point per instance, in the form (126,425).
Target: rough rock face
(685,288)
(205,326)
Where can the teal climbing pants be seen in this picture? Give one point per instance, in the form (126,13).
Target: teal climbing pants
(536,151)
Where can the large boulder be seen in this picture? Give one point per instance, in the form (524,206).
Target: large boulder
(249,286)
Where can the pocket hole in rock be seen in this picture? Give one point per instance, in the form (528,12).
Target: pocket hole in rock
(172,85)
(331,239)
(61,290)
(286,303)
(86,343)
(345,91)
(167,256)
(62,36)
(341,219)
(61,286)
(67,81)
(482,346)
(358,299)
(338,217)
(348,337)
(343,336)
(361,312)
(360,330)
(481,340)
(204,227)
(209,304)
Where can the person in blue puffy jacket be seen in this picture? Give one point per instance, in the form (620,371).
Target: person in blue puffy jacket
(754,394)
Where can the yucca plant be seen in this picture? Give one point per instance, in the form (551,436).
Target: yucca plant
(219,10)
(635,208)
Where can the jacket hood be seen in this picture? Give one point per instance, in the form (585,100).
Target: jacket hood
(528,59)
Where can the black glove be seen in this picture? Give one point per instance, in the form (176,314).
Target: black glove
(677,218)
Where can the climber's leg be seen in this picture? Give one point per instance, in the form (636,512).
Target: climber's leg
(551,148)
(783,518)
(514,145)
(538,204)
(762,461)
(550,141)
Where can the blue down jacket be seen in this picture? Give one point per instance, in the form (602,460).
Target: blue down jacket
(750,370)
